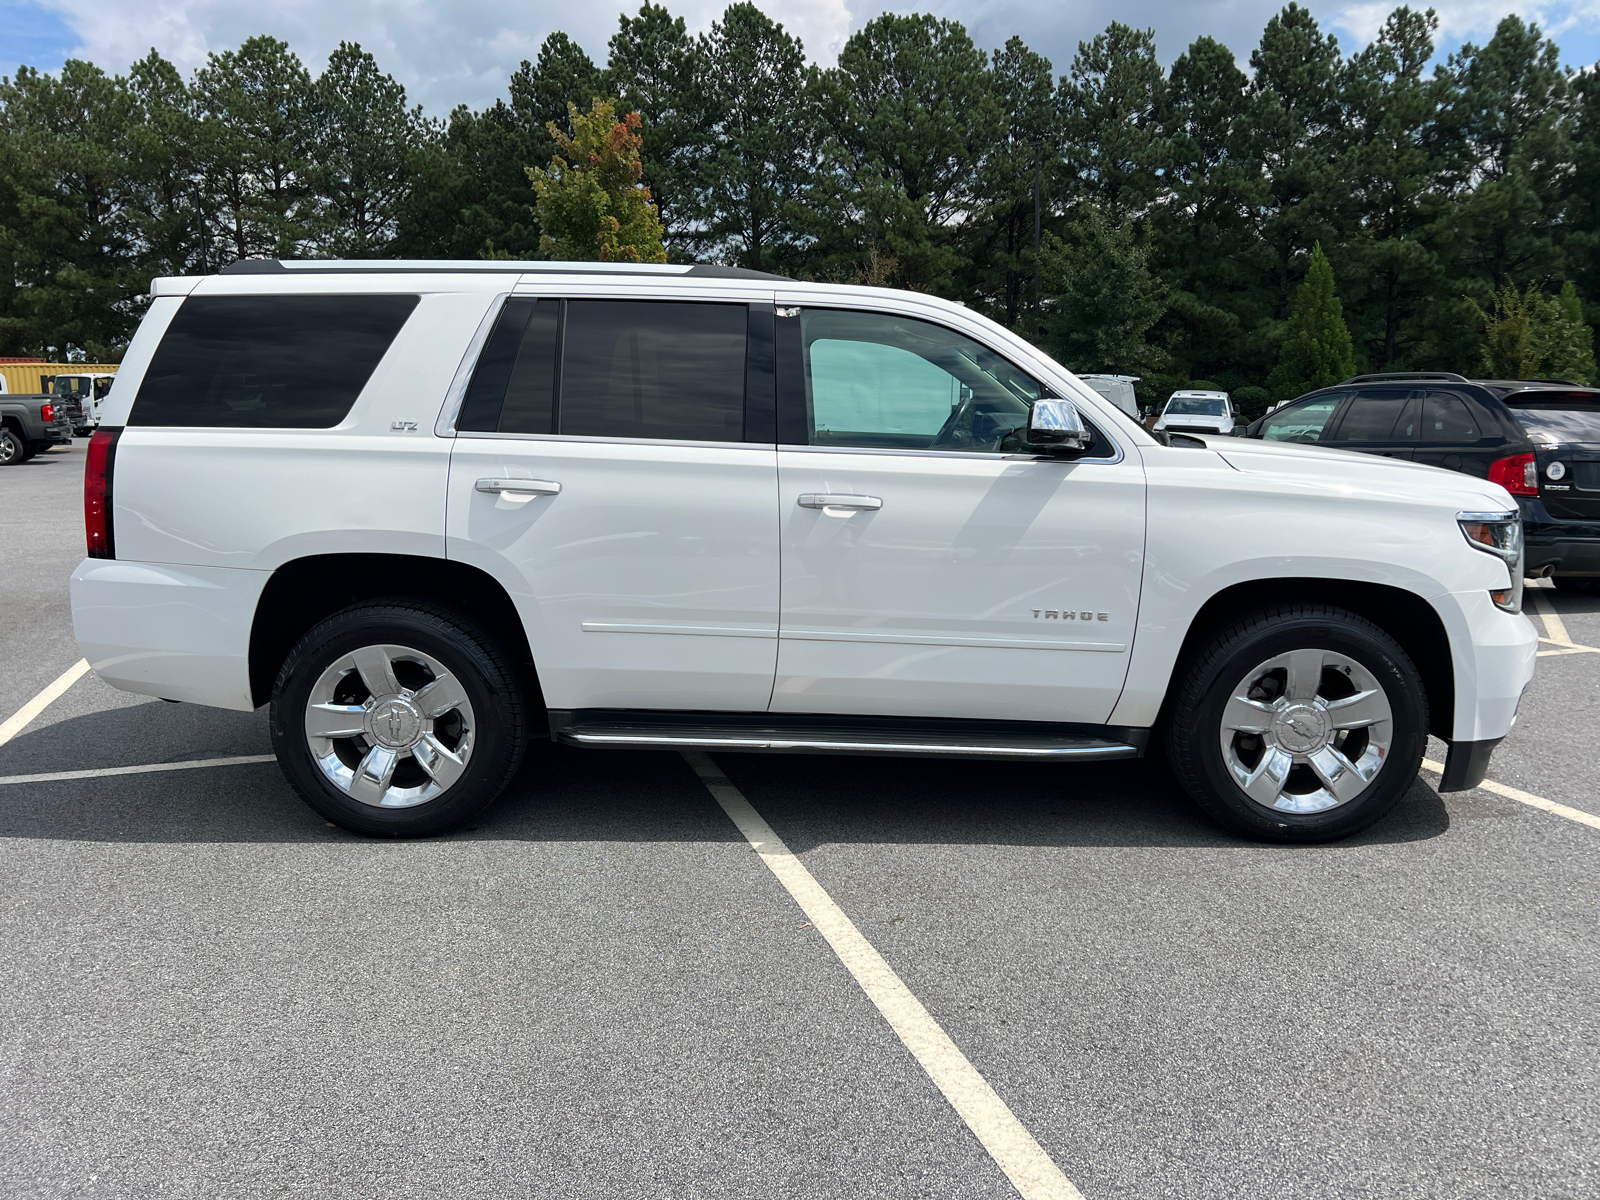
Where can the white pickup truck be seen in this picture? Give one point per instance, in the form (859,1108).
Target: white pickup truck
(428,511)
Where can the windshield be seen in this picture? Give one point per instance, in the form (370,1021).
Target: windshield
(71,385)
(1195,406)
(1558,416)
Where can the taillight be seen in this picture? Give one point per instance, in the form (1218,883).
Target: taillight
(47,413)
(97,493)
(1518,474)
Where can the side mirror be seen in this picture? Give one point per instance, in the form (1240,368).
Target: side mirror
(1055,423)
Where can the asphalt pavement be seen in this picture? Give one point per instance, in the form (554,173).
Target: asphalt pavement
(600,991)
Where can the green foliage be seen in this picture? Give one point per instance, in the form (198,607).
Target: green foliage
(1568,340)
(762,109)
(254,150)
(1529,335)
(1104,299)
(1111,102)
(591,203)
(655,70)
(912,111)
(1316,347)
(367,138)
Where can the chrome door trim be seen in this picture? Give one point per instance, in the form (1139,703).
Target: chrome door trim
(690,630)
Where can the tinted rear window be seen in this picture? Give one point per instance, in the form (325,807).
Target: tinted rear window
(1558,416)
(1372,417)
(267,362)
(654,369)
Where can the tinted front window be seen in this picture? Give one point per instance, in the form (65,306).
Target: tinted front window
(654,369)
(1302,422)
(890,382)
(267,362)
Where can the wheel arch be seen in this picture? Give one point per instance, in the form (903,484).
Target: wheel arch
(1403,615)
(306,590)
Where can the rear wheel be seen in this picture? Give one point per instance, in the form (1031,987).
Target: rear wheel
(399,718)
(1298,723)
(13,449)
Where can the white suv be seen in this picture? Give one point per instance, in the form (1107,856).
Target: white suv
(429,511)
(1191,411)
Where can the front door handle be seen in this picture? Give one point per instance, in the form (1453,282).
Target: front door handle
(827,500)
(519,487)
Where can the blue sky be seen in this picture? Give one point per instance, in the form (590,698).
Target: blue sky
(463,50)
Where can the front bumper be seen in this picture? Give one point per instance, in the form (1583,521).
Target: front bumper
(1493,653)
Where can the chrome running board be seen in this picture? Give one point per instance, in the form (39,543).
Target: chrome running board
(772,733)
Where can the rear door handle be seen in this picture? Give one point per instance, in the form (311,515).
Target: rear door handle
(827,500)
(519,487)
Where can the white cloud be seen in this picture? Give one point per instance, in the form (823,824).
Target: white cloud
(445,53)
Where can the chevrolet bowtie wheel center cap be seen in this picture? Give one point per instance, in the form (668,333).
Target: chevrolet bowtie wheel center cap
(394,721)
(1302,728)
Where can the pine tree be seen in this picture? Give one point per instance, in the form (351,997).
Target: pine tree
(912,109)
(1111,103)
(591,203)
(763,121)
(655,69)
(367,138)
(1101,297)
(1316,349)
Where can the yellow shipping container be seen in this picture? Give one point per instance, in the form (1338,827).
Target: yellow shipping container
(24,377)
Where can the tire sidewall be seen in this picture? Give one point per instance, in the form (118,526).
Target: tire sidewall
(470,656)
(1346,635)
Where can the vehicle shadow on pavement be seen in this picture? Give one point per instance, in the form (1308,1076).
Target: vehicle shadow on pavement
(569,795)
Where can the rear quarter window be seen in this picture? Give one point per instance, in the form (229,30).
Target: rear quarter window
(267,362)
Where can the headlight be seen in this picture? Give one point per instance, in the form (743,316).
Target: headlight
(1499,534)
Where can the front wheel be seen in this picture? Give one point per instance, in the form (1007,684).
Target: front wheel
(398,718)
(1298,723)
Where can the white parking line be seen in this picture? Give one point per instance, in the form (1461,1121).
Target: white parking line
(147,768)
(1023,1160)
(1555,629)
(1528,798)
(20,720)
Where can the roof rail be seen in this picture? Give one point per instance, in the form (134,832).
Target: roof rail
(1448,376)
(273,266)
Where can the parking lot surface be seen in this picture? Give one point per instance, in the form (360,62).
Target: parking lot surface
(602,991)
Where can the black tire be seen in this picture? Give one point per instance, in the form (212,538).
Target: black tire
(1208,679)
(13,449)
(486,674)
(1577,585)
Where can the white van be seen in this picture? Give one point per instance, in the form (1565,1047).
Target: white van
(428,511)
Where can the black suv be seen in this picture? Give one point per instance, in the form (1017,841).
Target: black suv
(1537,438)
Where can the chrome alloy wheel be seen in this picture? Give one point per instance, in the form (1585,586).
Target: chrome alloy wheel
(1306,731)
(389,726)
